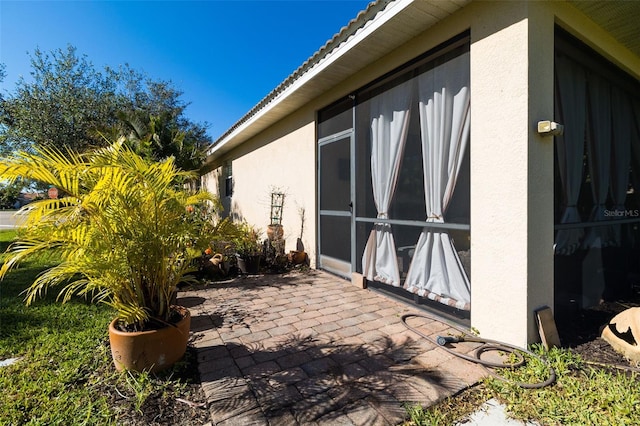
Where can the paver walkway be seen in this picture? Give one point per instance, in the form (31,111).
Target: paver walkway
(313,349)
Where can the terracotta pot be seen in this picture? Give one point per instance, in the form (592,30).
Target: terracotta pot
(275,232)
(152,350)
(297,257)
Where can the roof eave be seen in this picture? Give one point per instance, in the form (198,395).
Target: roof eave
(304,84)
(274,106)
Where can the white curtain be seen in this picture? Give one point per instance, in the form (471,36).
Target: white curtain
(389,126)
(620,155)
(571,98)
(436,271)
(599,149)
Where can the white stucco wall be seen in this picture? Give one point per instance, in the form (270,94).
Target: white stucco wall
(511,169)
(210,181)
(512,56)
(281,159)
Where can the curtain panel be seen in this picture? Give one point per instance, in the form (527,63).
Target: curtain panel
(621,110)
(390,113)
(599,151)
(635,155)
(635,150)
(571,98)
(444,104)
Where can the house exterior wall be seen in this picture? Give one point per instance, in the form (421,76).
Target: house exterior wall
(281,159)
(210,181)
(512,88)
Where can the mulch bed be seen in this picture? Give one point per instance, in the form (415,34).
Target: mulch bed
(580,331)
(159,409)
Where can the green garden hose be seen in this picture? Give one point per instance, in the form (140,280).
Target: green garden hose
(487,345)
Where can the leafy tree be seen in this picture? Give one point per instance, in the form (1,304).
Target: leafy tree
(162,135)
(63,105)
(9,193)
(125,230)
(70,105)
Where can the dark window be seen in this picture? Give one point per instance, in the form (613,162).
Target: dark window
(335,118)
(228,181)
(228,186)
(596,169)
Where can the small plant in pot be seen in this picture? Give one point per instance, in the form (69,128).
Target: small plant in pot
(275,231)
(219,259)
(248,249)
(125,233)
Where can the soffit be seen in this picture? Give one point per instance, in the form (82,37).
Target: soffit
(621,19)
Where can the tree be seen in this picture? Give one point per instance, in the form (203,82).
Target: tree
(125,231)
(162,135)
(67,100)
(9,193)
(3,74)
(70,105)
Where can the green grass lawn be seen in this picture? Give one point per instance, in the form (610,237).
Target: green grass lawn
(61,348)
(65,374)
(584,394)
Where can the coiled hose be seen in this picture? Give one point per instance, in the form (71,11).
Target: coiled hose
(487,345)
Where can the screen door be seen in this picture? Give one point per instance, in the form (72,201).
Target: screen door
(335,193)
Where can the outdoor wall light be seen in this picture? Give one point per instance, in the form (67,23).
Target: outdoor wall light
(550,128)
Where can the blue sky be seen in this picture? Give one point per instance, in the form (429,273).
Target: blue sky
(224,55)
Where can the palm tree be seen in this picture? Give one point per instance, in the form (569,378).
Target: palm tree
(159,136)
(125,229)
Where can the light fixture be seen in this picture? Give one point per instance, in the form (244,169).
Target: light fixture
(550,128)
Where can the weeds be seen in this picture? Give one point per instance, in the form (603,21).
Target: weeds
(447,411)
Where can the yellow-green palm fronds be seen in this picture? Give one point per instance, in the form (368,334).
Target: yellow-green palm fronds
(126,229)
(46,165)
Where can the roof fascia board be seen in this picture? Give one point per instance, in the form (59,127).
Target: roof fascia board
(345,46)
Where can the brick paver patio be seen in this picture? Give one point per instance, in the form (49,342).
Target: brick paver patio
(313,349)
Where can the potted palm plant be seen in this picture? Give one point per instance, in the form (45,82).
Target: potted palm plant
(125,233)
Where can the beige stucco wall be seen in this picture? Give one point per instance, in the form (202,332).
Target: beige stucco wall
(511,165)
(512,81)
(511,169)
(210,181)
(281,159)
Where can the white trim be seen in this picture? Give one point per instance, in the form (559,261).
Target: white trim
(335,266)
